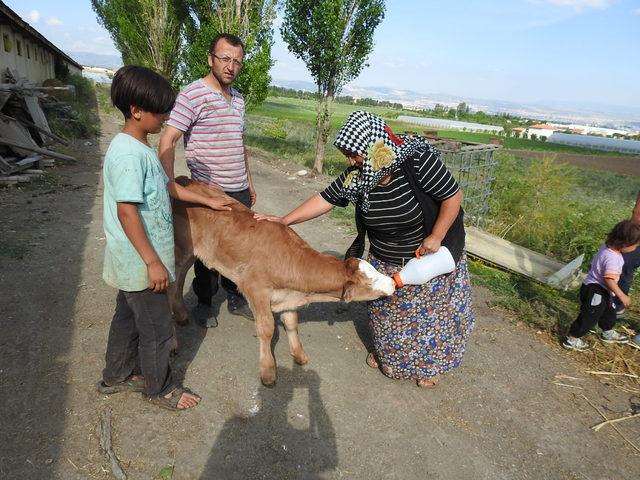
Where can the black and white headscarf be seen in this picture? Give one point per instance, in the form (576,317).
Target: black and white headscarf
(369,136)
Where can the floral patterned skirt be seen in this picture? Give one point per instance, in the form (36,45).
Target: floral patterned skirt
(421,330)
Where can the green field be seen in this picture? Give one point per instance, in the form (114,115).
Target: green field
(300,110)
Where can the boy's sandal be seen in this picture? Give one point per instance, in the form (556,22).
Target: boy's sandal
(431,382)
(171,403)
(132,383)
(371,361)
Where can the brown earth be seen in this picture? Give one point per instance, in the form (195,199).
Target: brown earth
(626,165)
(515,409)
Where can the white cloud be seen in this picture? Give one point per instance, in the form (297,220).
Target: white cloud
(34,16)
(579,5)
(54,21)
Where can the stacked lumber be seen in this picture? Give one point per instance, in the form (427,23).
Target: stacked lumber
(25,134)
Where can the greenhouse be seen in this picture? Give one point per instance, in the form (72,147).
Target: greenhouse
(596,143)
(445,124)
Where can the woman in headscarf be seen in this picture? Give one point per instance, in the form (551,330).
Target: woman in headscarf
(420,332)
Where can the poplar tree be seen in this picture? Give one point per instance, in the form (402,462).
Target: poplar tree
(146,32)
(334,39)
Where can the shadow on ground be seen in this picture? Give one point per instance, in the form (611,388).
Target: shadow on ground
(39,221)
(289,426)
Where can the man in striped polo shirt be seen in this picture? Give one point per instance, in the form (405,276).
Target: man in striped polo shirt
(209,113)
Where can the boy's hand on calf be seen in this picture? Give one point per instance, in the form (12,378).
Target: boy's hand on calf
(158,276)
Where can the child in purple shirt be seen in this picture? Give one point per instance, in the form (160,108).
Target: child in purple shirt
(601,286)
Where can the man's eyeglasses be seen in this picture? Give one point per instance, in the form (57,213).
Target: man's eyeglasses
(228,60)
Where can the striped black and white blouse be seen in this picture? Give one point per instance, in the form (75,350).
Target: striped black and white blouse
(394,221)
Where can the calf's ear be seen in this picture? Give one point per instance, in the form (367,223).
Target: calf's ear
(352,265)
(348,291)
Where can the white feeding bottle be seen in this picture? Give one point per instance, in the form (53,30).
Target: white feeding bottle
(423,268)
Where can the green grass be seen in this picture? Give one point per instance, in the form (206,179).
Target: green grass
(103,95)
(82,121)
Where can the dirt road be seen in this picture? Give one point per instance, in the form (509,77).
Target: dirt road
(503,415)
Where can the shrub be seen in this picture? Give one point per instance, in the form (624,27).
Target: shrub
(275,129)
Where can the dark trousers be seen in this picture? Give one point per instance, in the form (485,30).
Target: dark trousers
(596,307)
(205,283)
(140,341)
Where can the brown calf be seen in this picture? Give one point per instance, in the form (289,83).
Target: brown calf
(273,267)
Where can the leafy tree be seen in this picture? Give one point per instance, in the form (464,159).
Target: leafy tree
(462,109)
(250,20)
(146,32)
(334,39)
(439,109)
(533,136)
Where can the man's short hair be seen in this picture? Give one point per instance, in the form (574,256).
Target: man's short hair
(230,38)
(133,85)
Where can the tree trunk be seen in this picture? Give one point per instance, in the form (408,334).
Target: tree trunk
(325,107)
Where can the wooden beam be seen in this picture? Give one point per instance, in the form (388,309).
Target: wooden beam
(43,151)
(521,260)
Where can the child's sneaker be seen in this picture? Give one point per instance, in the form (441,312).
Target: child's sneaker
(635,341)
(576,344)
(611,336)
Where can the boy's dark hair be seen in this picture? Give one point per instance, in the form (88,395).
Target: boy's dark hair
(232,39)
(142,87)
(624,234)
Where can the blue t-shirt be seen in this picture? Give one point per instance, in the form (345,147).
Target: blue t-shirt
(132,173)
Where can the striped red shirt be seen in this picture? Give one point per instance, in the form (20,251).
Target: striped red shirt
(213,129)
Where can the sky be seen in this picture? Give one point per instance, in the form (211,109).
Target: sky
(574,51)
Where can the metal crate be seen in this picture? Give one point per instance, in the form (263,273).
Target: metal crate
(473,166)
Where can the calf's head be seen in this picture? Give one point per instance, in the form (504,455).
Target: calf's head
(364,282)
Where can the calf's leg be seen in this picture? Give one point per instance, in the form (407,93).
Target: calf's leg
(184,261)
(260,303)
(290,320)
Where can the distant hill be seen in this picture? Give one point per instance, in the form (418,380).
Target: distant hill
(96,60)
(603,115)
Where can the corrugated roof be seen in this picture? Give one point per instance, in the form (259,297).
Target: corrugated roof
(17,20)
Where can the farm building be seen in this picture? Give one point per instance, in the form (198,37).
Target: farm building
(541,130)
(450,124)
(597,143)
(27,53)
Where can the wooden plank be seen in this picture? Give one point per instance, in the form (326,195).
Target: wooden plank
(36,113)
(5,167)
(43,151)
(19,135)
(4,96)
(57,138)
(521,260)
(27,162)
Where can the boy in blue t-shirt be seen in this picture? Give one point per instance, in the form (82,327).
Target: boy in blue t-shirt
(139,255)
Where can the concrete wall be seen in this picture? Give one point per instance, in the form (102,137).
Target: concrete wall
(26,58)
